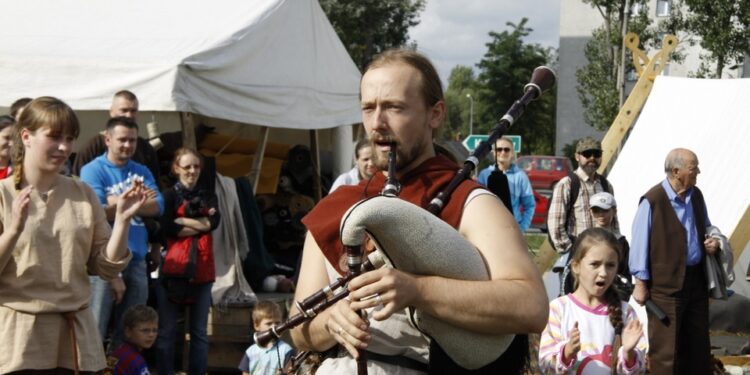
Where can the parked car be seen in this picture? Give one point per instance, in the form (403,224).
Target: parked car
(540,212)
(544,171)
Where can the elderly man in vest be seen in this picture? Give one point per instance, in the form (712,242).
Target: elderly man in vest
(667,255)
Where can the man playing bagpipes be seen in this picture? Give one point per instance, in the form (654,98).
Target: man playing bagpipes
(402,105)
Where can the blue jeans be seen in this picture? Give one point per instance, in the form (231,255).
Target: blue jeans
(102,304)
(168,314)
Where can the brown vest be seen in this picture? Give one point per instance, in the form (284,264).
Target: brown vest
(668,239)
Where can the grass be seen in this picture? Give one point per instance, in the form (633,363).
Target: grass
(535,240)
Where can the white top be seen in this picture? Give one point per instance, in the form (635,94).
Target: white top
(596,335)
(348,178)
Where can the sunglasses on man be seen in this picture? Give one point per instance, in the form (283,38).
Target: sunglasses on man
(502,149)
(589,153)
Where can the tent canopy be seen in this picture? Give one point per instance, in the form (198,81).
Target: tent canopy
(706,116)
(277,63)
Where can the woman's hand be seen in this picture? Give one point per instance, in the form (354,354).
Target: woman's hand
(20,210)
(129,202)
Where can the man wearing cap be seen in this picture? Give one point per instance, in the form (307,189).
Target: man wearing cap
(667,260)
(570,215)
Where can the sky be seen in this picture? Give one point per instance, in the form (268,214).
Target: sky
(454,32)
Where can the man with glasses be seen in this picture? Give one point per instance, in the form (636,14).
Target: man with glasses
(570,214)
(505,178)
(670,246)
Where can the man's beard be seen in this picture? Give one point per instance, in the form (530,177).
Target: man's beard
(404,157)
(590,168)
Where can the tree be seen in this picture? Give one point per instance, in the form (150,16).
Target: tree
(504,70)
(601,81)
(368,27)
(461,82)
(723,28)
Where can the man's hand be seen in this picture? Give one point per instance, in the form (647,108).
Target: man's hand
(150,193)
(640,292)
(391,289)
(118,289)
(712,245)
(153,258)
(130,201)
(574,343)
(348,328)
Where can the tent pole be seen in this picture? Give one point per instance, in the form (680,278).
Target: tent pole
(254,175)
(315,151)
(188,130)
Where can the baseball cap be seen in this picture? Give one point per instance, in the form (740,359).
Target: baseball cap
(588,143)
(603,200)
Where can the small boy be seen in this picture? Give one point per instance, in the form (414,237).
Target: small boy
(270,359)
(141,325)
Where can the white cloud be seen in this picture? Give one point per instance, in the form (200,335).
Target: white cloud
(454,32)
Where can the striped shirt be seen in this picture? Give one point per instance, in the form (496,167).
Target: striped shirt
(581,218)
(127,360)
(596,337)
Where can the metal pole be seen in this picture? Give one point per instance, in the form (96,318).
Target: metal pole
(471,114)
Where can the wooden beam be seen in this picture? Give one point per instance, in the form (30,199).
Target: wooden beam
(254,175)
(617,133)
(740,236)
(187,120)
(315,154)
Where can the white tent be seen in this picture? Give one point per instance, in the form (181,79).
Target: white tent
(276,63)
(706,116)
(709,117)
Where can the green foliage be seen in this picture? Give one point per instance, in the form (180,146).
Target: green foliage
(460,83)
(368,27)
(569,151)
(722,28)
(598,87)
(503,71)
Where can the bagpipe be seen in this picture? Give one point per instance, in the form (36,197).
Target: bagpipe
(403,233)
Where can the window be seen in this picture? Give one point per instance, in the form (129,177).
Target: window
(663,7)
(636,9)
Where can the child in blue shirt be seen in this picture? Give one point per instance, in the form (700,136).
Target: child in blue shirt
(270,359)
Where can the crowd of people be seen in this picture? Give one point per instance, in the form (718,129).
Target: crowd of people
(76,251)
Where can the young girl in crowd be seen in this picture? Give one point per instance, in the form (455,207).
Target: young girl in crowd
(54,233)
(188,271)
(590,330)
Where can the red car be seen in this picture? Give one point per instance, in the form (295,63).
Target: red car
(540,212)
(544,171)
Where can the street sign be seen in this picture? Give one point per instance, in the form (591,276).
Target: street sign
(516,139)
(472,142)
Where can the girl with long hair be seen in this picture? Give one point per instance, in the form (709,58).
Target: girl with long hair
(591,331)
(54,233)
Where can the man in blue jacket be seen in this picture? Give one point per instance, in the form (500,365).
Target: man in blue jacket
(109,175)
(521,194)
